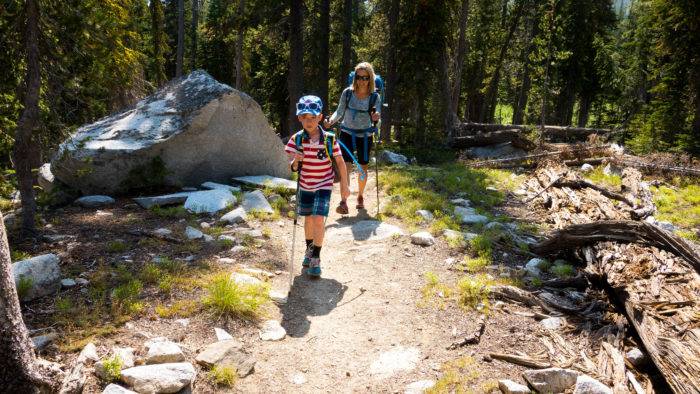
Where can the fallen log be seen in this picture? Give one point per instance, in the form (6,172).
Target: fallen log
(653,168)
(624,231)
(520,360)
(549,132)
(578,184)
(514,136)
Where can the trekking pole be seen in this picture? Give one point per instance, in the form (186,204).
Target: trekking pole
(294,231)
(376,160)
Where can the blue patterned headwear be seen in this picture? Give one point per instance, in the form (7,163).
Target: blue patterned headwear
(309,105)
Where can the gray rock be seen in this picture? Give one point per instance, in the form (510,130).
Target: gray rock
(164,352)
(532,268)
(225,237)
(257,272)
(389,157)
(256,201)
(452,234)
(587,385)
(226,260)
(160,201)
(244,279)
(469,216)
(272,331)
(422,238)
(159,378)
(636,357)
(201,130)
(163,231)
(461,202)
(510,387)
(116,389)
(126,354)
(207,238)
(89,353)
(494,225)
(364,230)
(278,297)
(95,201)
(227,352)
(209,201)
(221,334)
(238,215)
(553,323)
(39,275)
(426,215)
(204,225)
(45,178)
(42,341)
(586,167)
(611,170)
(193,233)
(214,185)
(68,283)
(419,387)
(267,180)
(395,360)
(495,151)
(551,380)
(82,281)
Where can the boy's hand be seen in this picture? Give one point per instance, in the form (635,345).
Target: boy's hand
(298,157)
(375,117)
(344,191)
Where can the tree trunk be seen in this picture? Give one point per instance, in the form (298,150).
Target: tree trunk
(391,77)
(450,118)
(489,104)
(347,44)
(239,45)
(193,33)
(157,36)
(524,91)
(583,111)
(545,91)
(180,37)
(25,150)
(324,73)
(461,54)
(19,372)
(295,78)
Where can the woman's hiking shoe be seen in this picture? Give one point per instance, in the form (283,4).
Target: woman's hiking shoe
(314,269)
(360,203)
(342,208)
(307,256)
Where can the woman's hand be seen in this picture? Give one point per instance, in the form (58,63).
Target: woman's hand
(375,117)
(327,124)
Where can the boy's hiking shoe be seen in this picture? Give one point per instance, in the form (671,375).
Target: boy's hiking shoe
(307,256)
(314,269)
(360,202)
(342,208)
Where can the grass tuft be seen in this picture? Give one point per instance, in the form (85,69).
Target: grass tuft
(598,177)
(125,297)
(112,368)
(474,290)
(182,308)
(223,375)
(459,377)
(227,298)
(24,285)
(563,270)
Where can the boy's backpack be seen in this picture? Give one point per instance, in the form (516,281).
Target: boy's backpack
(378,90)
(328,142)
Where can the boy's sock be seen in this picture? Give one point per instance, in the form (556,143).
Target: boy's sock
(316,252)
(309,242)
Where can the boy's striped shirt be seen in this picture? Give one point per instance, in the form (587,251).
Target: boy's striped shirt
(316,170)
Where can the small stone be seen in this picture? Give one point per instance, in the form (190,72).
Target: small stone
(239,278)
(636,357)
(164,352)
(461,202)
(68,283)
(227,238)
(193,233)
(162,231)
(82,281)
(183,322)
(237,249)
(257,272)
(94,201)
(209,201)
(272,331)
(532,268)
(510,387)
(586,167)
(116,389)
(551,380)
(159,378)
(227,352)
(227,260)
(41,341)
(419,387)
(126,354)
(221,334)
(278,297)
(587,385)
(425,214)
(298,378)
(422,238)
(204,225)
(207,238)
(89,353)
(237,215)
(553,323)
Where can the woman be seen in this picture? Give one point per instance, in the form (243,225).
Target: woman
(359,106)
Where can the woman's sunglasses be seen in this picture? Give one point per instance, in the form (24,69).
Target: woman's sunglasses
(310,106)
(362,78)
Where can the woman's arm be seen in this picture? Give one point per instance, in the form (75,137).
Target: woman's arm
(338,114)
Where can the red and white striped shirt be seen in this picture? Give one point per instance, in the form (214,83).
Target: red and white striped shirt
(316,170)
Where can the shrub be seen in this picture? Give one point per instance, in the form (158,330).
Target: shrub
(225,297)
(223,375)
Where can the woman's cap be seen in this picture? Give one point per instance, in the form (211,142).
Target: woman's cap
(309,105)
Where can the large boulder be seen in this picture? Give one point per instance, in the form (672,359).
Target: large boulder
(192,130)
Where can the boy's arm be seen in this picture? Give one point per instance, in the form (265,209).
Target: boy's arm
(344,188)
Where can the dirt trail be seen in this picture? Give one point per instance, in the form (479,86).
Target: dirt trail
(365,304)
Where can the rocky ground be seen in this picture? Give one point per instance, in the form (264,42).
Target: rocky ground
(374,322)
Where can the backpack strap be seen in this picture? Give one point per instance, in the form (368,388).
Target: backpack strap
(298,138)
(372,101)
(348,96)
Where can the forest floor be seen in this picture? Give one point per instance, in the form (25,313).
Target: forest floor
(383,315)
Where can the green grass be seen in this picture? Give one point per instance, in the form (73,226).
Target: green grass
(150,273)
(175,212)
(476,264)
(24,285)
(182,308)
(19,255)
(112,368)
(459,376)
(563,271)
(434,290)
(227,298)
(474,290)
(117,246)
(598,177)
(681,207)
(223,375)
(125,297)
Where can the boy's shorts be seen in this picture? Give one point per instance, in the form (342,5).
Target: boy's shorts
(346,138)
(314,203)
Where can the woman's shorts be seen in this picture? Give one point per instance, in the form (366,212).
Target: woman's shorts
(362,158)
(314,203)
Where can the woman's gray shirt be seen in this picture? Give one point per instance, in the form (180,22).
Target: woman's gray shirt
(356,116)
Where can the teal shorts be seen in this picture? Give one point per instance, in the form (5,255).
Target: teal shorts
(314,203)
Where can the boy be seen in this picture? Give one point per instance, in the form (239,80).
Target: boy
(315,177)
